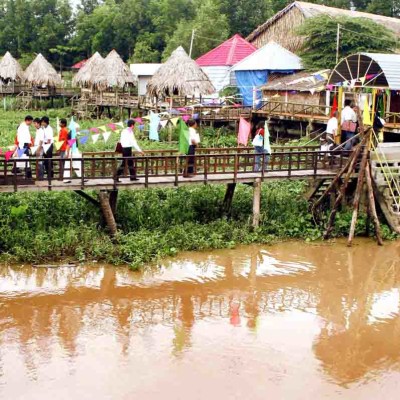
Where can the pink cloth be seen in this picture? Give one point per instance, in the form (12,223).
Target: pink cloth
(186,118)
(8,154)
(244,132)
(71,142)
(138,120)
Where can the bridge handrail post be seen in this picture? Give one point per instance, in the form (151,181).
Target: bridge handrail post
(290,164)
(146,172)
(177,159)
(315,161)
(235,170)
(82,173)
(49,171)
(262,167)
(15,175)
(205,169)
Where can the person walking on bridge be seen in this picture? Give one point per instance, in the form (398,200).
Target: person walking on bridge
(24,142)
(128,141)
(259,147)
(48,140)
(349,124)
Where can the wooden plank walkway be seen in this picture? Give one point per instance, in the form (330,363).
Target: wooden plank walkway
(99,171)
(165,182)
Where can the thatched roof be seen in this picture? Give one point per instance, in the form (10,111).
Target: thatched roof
(179,75)
(84,77)
(10,69)
(41,73)
(112,73)
(309,10)
(302,81)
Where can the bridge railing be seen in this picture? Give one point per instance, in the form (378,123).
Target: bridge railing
(23,173)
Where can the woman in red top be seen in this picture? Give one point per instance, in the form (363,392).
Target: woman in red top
(63,137)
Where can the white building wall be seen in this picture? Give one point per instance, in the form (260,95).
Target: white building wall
(219,76)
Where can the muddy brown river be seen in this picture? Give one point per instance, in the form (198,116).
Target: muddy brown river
(289,321)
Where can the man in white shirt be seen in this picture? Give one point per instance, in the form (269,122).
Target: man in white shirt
(332,126)
(48,139)
(194,140)
(128,141)
(348,118)
(39,140)
(24,142)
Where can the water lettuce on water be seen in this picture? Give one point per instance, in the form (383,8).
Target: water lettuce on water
(154,223)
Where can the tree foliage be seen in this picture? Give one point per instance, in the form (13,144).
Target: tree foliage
(356,35)
(140,30)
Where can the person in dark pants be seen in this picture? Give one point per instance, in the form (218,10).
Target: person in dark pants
(194,140)
(48,140)
(128,141)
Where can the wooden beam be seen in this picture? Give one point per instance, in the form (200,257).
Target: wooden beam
(90,199)
(227,204)
(256,202)
(107,212)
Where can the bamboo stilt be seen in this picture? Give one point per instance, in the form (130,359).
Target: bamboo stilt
(343,188)
(372,206)
(356,203)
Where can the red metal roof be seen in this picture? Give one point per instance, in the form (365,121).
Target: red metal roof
(228,53)
(79,64)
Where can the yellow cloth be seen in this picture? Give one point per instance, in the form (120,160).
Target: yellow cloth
(366,114)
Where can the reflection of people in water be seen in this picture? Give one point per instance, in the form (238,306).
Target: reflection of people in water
(183,327)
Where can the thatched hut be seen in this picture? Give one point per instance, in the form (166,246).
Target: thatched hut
(85,77)
(112,73)
(299,90)
(180,76)
(10,69)
(10,73)
(283,26)
(41,74)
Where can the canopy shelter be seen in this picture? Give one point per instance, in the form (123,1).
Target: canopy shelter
(10,70)
(253,71)
(374,70)
(180,76)
(376,79)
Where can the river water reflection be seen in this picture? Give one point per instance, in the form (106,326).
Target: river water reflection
(289,321)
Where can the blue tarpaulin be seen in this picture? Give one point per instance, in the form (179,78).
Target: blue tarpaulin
(247,80)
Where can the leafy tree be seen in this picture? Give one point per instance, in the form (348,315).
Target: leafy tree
(207,34)
(88,6)
(244,15)
(356,35)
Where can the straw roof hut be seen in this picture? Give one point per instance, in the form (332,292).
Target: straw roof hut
(85,76)
(179,75)
(112,73)
(283,26)
(10,69)
(41,73)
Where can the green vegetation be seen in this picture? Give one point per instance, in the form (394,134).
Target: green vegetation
(140,30)
(356,35)
(9,120)
(153,223)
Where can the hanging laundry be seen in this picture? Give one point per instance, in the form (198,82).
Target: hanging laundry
(154,123)
(244,132)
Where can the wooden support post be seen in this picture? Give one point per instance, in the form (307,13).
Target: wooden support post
(113,201)
(227,204)
(256,202)
(107,212)
(372,206)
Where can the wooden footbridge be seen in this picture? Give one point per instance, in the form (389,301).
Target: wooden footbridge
(166,168)
(229,166)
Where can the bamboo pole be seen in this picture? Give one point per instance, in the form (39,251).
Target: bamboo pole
(360,184)
(361,174)
(372,207)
